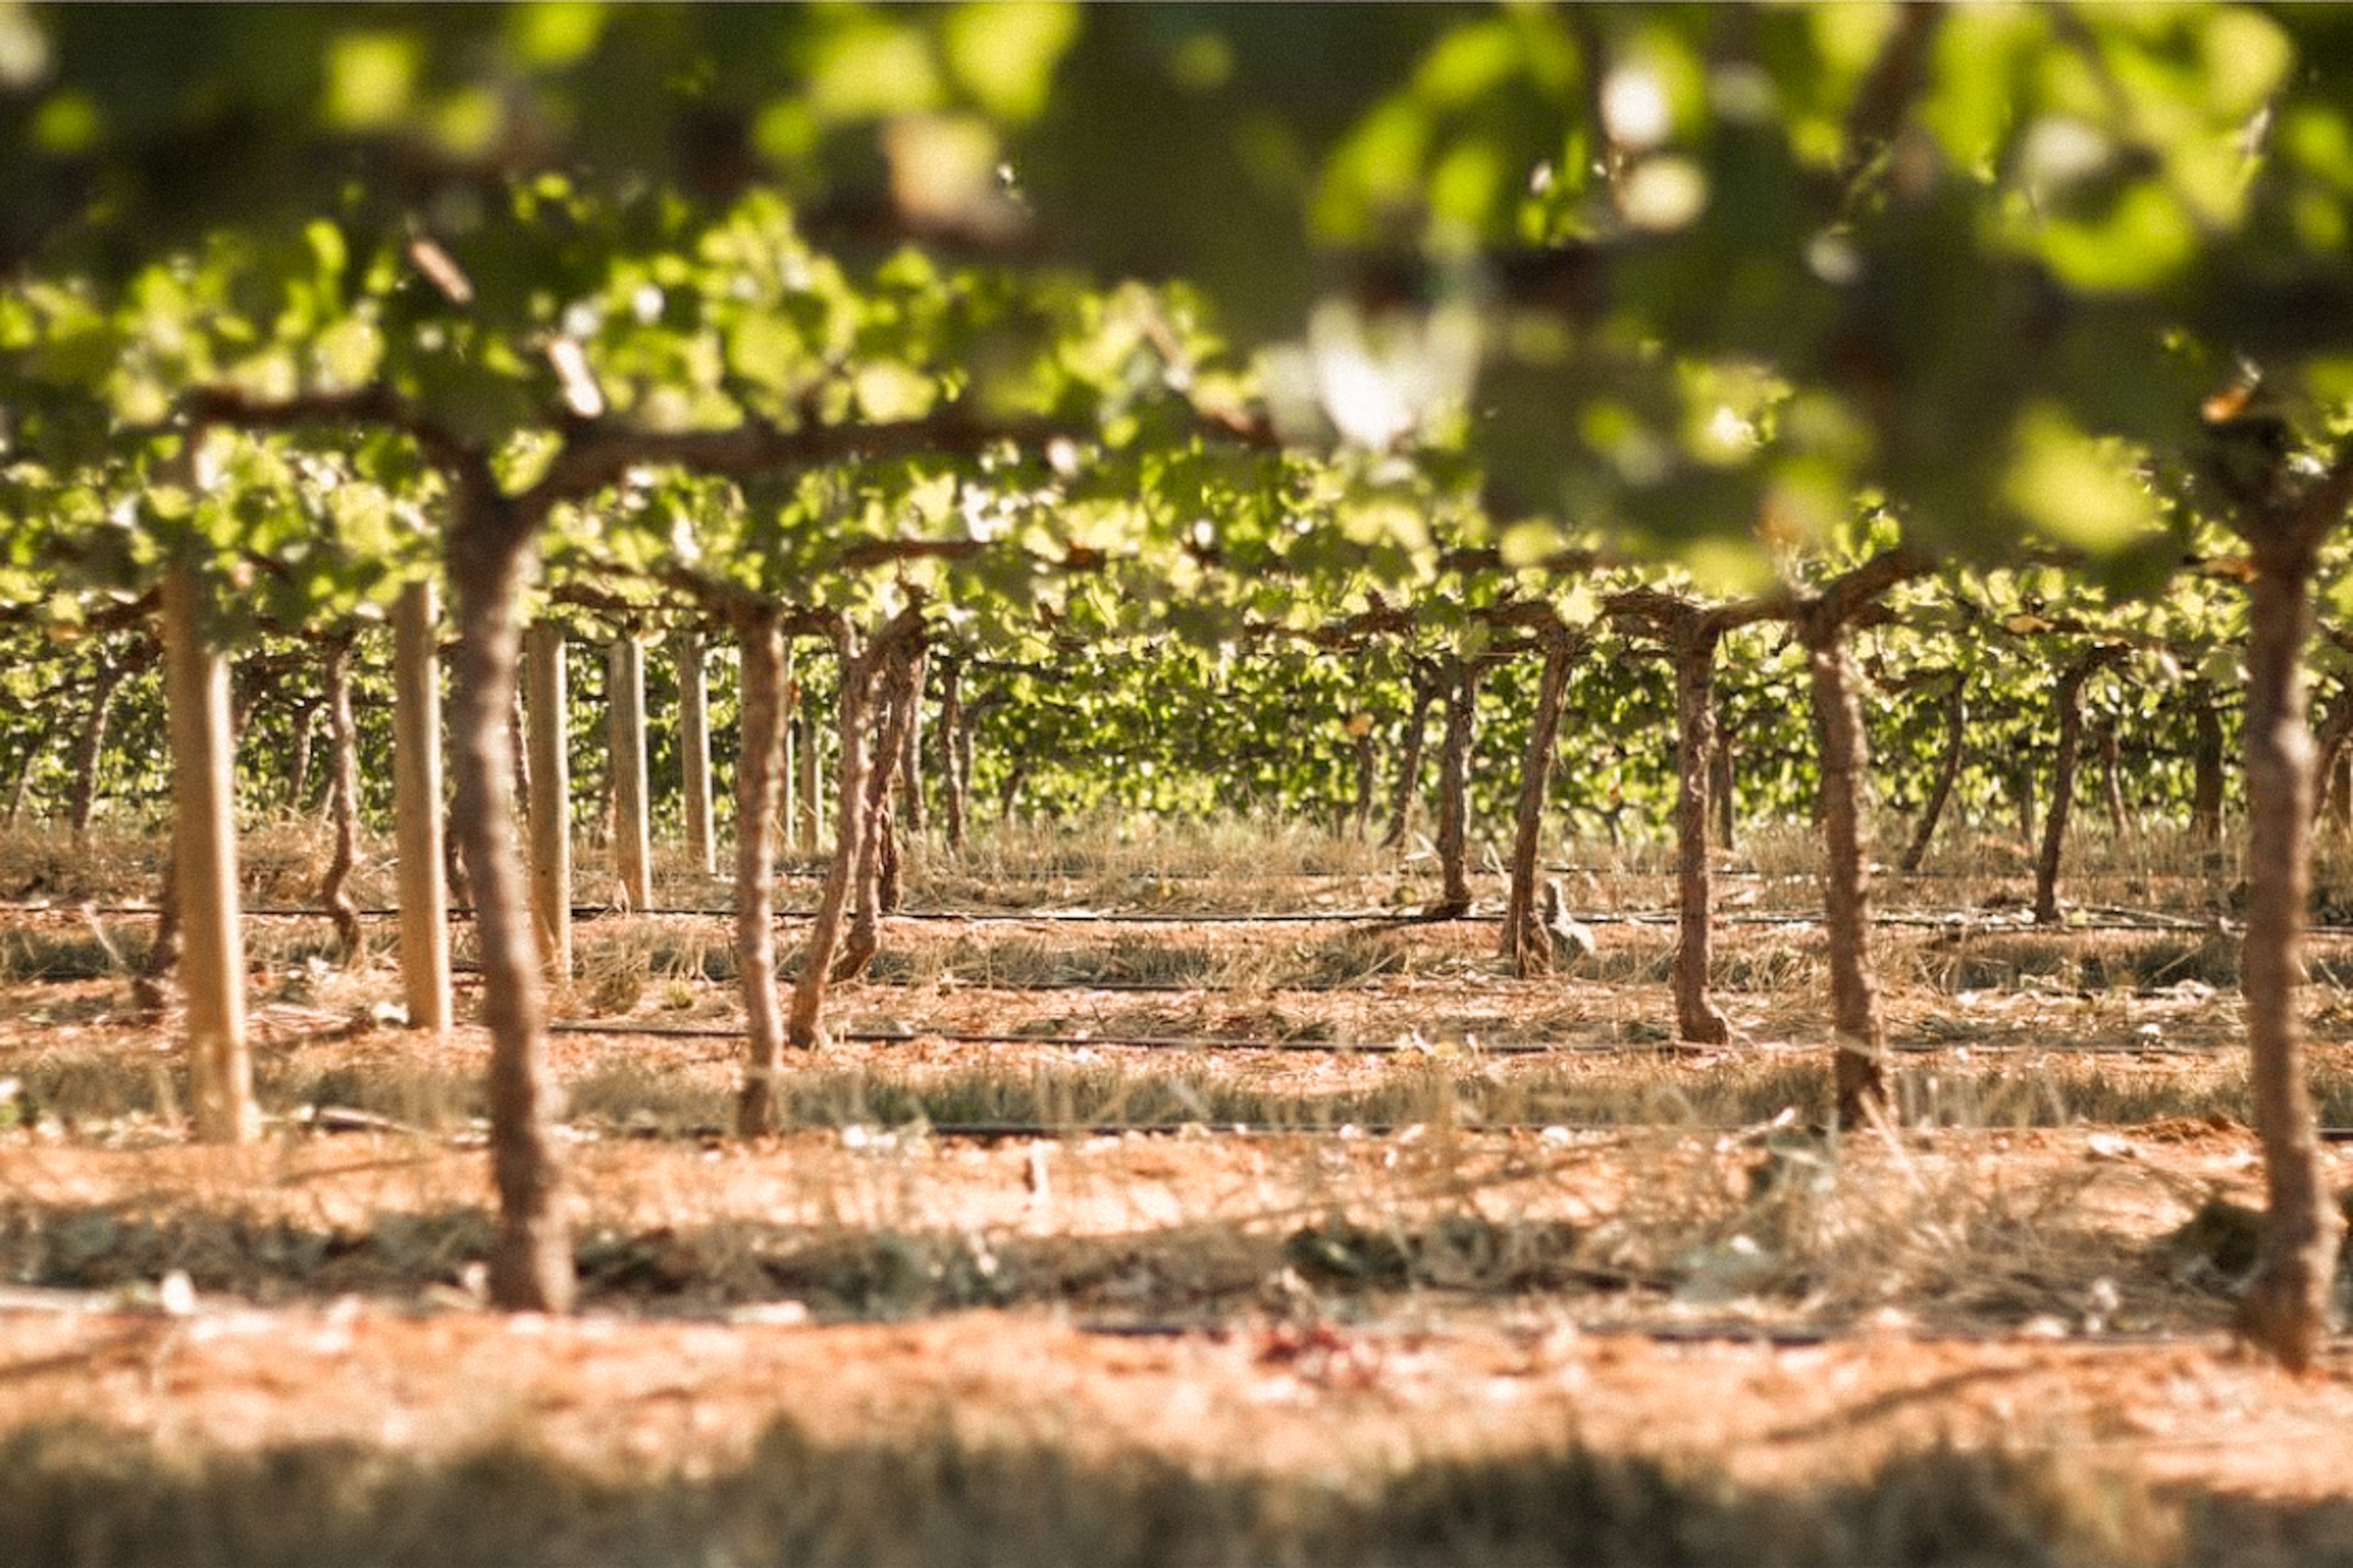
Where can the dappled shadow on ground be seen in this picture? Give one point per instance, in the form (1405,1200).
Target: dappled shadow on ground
(75,1492)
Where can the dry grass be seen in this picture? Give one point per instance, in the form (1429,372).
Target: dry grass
(76,1493)
(1661,1189)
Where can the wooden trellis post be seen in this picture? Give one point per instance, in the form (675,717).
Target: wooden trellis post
(550,797)
(789,793)
(694,751)
(625,734)
(806,767)
(204,847)
(424,878)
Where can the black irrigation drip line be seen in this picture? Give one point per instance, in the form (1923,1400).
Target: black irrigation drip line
(1203,1043)
(1122,1042)
(1725,1333)
(1959,923)
(999,1131)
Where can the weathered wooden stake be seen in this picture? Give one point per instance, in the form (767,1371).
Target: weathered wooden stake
(544,698)
(417,829)
(789,805)
(203,845)
(625,734)
(694,752)
(808,736)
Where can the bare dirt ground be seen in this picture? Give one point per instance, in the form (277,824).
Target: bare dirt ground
(1495,1272)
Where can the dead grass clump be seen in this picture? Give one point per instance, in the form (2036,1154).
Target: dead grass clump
(1462,1251)
(1354,956)
(667,1100)
(283,862)
(1127,958)
(1868,1227)
(1111,860)
(34,957)
(127,1247)
(1769,965)
(43,862)
(2083,960)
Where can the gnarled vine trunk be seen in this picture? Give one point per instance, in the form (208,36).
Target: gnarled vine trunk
(2206,774)
(343,801)
(1859,1072)
(876,885)
(1454,792)
(2067,703)
(2330,798)
(1693,645)
(910,749)
(1720,782)
(90,746)
(1948,772)
(21,789)
(2285,1309)
(956,753)
(2110,748)
(489,556)
(1359,823)
(861,666)
(1526,945)
(1412,737)
(759,770)
(298,775)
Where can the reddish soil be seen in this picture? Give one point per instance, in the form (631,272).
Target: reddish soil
(1980,1288)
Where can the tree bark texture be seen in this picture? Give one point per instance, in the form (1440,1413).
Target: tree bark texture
(417,826)
(551,799)
(1425,689)
(153,988)
(2206,776)
(910,749)
(874,892)
(2331,731)
(204,849)
(90,746)
(2067,703)
(1008,792)
(1454,792)
(519,739)
(694,752)
(297,777)
(2112,784)
(2285,1311)
(489,549)
(956,753)
(1858,1033)
(1948,772)
(1526,945)
(21,789)
(1360,810)
(1720,795)
(903,722)
(805,740)
(858,669)
(759,775)
(1697,1018)
(342,802)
